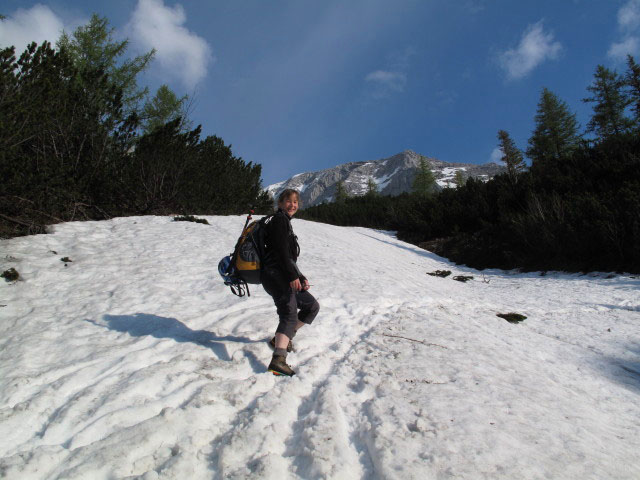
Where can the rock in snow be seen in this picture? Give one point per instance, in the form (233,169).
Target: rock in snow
(135,361)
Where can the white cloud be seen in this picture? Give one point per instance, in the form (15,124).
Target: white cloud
(393,79)
(629,24)
(179,52)
(535,47)
(496,155)
(629,16)
(36,24)
(620,50)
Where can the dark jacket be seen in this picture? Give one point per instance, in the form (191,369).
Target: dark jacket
(282,249)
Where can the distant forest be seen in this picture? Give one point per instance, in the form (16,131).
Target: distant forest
(80,140)
(575,208)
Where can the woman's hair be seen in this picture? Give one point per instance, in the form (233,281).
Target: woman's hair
(288,193)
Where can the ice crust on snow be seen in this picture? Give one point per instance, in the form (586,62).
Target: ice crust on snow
(135,361)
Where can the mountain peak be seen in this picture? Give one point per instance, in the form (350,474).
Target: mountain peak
(392,176)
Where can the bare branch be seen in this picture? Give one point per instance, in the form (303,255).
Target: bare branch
(414,340)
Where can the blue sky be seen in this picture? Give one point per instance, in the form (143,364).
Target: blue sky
(305,85)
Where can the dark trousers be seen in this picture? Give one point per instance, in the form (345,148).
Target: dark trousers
(289,302)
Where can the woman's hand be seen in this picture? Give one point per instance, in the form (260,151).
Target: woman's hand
(295,285)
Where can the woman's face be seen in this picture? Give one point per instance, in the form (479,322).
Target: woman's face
(290,205)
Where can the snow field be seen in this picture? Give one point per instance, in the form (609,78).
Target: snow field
(134,361)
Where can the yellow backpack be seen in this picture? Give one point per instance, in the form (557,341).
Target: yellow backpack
(243,265)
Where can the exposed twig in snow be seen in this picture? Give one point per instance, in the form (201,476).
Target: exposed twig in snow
(414,340)
(429,382)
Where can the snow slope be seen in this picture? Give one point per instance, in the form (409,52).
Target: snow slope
(134,361)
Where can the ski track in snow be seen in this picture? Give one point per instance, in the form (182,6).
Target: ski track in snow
(134,361)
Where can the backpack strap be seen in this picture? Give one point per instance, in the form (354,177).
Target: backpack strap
(291,234)
(238,287)
(260,241)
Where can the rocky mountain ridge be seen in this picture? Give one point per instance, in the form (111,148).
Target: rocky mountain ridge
(392,176)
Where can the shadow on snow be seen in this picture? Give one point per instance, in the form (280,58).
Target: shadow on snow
(144,324)
(625,371)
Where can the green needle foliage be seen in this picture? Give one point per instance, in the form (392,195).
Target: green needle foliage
(556,132)
(610,102)
(341,194)
(372,188)
(72,146)
(163,108)
(632,81)
(511,156)
(190,218)
(512,317)
(92,47)
(424,183)
(10,275)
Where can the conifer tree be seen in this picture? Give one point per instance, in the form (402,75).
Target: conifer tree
(632,80)
(556,132)
(459,178)
(424,182)
(58,145)
(511,156)
(372,188)
(164,107)
(609,102)
(341,193)
(92,46)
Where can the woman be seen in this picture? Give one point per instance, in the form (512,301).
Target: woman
(282,279)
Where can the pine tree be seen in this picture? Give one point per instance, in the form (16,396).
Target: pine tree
(341,193)
(610,103)
(58,146)
(92,47)
(511,156)
(372,188)
(424,182)
(556,132)
(459,178)
(164,107)
(632,80)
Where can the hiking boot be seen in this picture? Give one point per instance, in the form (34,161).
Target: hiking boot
(278,366)
(272,344)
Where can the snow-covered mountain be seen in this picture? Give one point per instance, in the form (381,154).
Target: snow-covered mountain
(392,176)
(132,360)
